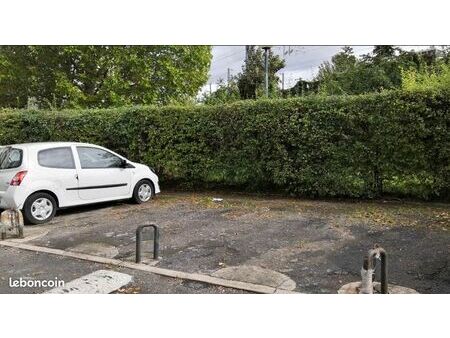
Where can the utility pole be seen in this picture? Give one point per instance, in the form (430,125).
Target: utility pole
(266,69)
(210,88)
(228,80)
(247,51)
(282,82)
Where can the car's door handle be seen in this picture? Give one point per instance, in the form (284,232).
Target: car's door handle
(76,176)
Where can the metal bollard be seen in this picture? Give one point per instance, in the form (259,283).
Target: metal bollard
(370,262)
(368,275)
(139,240)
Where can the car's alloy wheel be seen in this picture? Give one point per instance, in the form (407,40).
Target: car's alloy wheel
(42,209)
(145,192)
(39,208)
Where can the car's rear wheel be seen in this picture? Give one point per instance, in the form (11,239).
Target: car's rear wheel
(39,208)
(143,191)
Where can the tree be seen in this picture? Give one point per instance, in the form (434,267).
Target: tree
(435,78)
(384,51)
(101,76)
(226,92)
(249,84)
(302,88)
(251,81)
(335,77)
(374,72)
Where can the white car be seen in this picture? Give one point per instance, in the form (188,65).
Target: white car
(39,178)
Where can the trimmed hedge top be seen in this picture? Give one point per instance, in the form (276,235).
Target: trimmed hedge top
(355,146)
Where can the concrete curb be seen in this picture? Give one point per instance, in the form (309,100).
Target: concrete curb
(257,288)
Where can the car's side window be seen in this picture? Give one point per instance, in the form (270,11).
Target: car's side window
(93,158)
(10,158)
(61,158)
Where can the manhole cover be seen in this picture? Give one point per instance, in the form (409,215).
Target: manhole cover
(256,275)
(96,249)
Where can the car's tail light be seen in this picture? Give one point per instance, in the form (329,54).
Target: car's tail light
(18,178)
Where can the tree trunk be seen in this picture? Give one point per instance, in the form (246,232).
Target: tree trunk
(378,182)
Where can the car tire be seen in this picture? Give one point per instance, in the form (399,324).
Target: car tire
(39,208)
(143,191)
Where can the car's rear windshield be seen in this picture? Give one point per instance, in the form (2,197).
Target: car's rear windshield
(10,157)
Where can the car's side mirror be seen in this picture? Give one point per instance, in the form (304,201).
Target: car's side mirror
(123,163)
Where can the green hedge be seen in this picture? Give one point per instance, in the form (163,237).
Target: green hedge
(392,143)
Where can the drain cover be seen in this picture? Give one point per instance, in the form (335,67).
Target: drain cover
(256,275)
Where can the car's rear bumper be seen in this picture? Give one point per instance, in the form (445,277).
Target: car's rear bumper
(11,198)
(4,202)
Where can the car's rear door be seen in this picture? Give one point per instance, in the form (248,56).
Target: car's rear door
(57,166)
(101,176)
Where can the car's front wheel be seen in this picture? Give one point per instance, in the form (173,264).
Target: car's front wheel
(143,191)
(39,208)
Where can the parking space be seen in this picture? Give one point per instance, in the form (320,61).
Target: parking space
(16,264)
(306,245)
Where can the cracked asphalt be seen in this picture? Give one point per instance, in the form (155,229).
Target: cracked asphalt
(318,244)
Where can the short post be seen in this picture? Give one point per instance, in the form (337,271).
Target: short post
(139,240)
(367,273)
(383,275)
(368,276)
(369,267)
(11,220)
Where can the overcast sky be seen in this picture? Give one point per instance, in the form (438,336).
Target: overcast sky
(301,61)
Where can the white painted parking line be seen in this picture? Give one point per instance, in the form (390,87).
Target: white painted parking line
(100,281)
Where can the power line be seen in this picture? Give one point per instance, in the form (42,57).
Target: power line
(223,57)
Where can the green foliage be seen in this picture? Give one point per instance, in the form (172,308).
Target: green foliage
(356,146)
(434,78)
(225,93)
(101,76)
(302,88)
(251,81)
(375,72)
(249,84)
